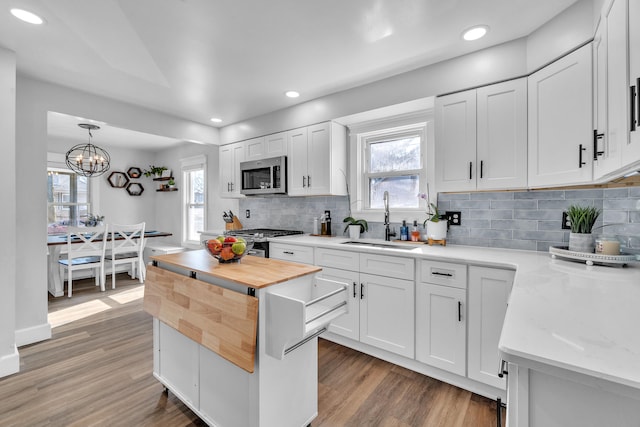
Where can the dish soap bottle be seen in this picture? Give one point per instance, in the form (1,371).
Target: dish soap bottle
(323,225)
(327,218)
(415,233)
(404,230)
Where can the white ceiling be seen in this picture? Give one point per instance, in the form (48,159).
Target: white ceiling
(198,59)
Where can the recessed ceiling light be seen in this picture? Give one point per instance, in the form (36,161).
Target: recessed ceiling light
(292,94)
(216,120)
(474,33)
(27,16)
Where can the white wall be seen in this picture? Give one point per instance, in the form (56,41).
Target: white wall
(9,359)
(34,99)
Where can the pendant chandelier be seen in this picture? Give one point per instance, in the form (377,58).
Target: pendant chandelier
(87,159)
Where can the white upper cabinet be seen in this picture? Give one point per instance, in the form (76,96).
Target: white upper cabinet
(317,161)
(455,152)
(631,151)
(481,138)
(264,147)
(560,121)
(611,91)
(230,180)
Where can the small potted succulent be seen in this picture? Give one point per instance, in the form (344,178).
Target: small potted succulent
(582,219)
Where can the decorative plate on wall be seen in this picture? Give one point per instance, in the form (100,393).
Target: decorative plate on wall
(118,179)
(134,172)
(135,189)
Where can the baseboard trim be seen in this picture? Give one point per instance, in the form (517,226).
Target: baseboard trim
(33,334)
(10,364)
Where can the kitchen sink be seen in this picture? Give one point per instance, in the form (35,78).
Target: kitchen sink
(377,245)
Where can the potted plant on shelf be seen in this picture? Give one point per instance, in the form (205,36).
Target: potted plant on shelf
(154,171)
(435,224)
(171,183)
(355,227)
(582,219)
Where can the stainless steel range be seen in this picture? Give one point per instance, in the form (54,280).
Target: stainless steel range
(260,237)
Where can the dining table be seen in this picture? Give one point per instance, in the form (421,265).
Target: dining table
(55,244)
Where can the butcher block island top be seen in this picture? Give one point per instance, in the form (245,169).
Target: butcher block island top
(254,272)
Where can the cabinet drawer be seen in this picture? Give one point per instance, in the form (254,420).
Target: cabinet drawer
(443,273)
(335,258)
(295,253)
(389,266)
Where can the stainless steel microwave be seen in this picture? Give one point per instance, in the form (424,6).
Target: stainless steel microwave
(267,176)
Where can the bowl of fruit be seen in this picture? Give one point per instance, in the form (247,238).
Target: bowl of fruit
(228,248)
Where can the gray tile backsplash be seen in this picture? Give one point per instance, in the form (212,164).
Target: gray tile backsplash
(529,220)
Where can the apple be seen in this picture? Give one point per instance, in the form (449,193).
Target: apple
(226,253)
(214,246)
(230,239)
(220,239)
(238,248)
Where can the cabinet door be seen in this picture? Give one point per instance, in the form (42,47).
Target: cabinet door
(631,152)
(294,253)
(319,159)
(297,162)
(599,98)
(347,325)
(275,145)
(560,121)
(441,327)
(489,291)
(387,314)
(226,169)
(617,91)
(238,156)
(456,141)
(179,361)
(254,149)
(502,135)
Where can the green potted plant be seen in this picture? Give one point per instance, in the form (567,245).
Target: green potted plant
(154,171)
(436,229)
(355,226)
(171,183)
(582,219)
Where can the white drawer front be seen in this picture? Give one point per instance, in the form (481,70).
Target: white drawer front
(295,253)
(443,273)
(389,266)
(336,258)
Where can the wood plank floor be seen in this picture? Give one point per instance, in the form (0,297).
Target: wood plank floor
(96,371)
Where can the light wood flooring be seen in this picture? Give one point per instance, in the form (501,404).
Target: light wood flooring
(96,371)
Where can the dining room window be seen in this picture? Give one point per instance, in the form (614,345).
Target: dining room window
(68,200)
(194,207)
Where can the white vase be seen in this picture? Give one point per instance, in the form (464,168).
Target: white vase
(581,242)
(354,232)
(437,230)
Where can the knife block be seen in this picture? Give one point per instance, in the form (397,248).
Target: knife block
(235,225)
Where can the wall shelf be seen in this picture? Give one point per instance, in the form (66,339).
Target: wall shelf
(167,189)
(118,180)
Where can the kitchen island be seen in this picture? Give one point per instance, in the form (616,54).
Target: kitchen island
(237,343)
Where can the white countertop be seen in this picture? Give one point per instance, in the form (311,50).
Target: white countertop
(561,314)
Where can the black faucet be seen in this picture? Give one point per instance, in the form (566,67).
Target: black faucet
(387,232)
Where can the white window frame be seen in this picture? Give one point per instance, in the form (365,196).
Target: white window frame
(187,166)
(361,133)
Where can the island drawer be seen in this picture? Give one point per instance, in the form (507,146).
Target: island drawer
(300,310)
(295,253)
(335,258)
(443,273)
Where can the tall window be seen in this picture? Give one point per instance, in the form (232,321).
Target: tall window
(194,210)
(67,200)
(392,160)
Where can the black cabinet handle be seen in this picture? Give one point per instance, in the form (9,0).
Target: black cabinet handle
(596,137)
(308,180)
(481,168)
(470,170)
(437,273)
(304,181)
(580,162)
(228,187)
(502,369)
(354,289)
(361,290)
(632,105)
(459,311)
(638,101)
(499,412)
(287,252)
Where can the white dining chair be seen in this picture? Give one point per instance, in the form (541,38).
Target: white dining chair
(85,250)
(126,246)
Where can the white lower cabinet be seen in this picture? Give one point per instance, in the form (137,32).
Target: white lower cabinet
(441,304)
(381,308)
(294,253)
(489,290)
(441,327)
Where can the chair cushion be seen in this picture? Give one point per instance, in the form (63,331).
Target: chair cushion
(125,255)
(81,260)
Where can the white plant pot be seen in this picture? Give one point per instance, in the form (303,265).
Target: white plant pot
(581,242)
(437,230)
(354,232)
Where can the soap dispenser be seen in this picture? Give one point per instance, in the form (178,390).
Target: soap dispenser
(415,233)
(404,230)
